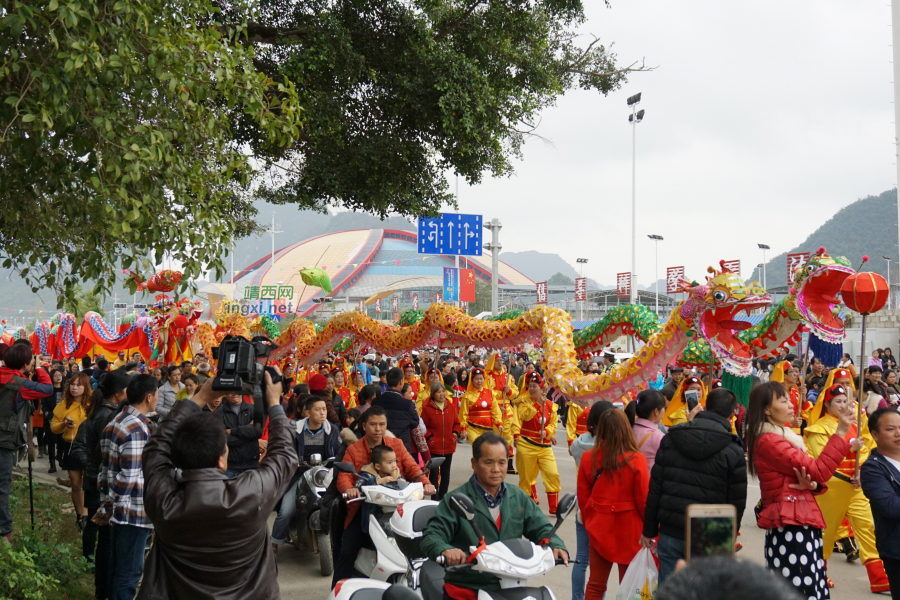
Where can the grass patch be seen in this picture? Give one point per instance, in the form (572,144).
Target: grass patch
(45,563)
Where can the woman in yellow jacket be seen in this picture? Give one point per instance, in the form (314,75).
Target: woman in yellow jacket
(478,410)
(67,416)
(843,495)
(433,376)
(677,412)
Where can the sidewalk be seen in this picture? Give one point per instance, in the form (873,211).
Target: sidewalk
(39,470)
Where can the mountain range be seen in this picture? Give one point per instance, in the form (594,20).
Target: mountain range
(868,225)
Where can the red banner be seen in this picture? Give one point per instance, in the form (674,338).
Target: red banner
(378,306)
(395,304)
(467,285)
(794,262)
(734,266)
(674,275)
(362,305)
(541,290)
(415,299)
(623,285)
(580,289)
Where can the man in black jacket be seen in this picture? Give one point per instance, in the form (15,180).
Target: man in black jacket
(401,413)
(699,462)
(243,435)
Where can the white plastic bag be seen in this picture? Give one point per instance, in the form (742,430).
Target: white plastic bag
(640,579)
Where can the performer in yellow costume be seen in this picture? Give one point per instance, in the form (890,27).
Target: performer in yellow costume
(505,391)
(576,421)
(478,411)
(433,376)
(676,412)
(537,418)
(843,495)
(410,377)
(786,374)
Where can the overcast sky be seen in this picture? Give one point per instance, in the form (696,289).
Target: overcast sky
(762,119)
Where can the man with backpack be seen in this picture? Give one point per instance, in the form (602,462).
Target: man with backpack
(16,393)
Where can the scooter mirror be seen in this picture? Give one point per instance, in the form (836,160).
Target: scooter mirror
(463,506)
(345,467)
(565,507)
(315,459)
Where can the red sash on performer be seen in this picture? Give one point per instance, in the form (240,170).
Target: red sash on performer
(480,411)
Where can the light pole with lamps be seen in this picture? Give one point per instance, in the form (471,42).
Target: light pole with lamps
(759,269)
(888,259)
(581,262)
(656,240)
(763,247)
(634,118)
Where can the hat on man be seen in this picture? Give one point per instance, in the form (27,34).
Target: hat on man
(317,383)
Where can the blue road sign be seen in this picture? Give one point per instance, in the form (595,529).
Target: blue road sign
(451,233)
(451,289)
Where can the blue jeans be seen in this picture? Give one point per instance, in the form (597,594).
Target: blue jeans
(281,526)
(669,550)
(582,555)
(7,462)
(126,559)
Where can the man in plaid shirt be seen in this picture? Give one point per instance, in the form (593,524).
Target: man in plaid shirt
(121,485)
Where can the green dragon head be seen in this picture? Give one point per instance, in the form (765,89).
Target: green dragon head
(815,287)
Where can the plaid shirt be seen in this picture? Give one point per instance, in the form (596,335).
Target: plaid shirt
(121,480)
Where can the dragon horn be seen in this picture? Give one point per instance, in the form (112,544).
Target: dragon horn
(864,261)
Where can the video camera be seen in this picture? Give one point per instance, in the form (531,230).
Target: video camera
(241,369)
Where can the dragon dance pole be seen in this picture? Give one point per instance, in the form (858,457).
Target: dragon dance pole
(862,357)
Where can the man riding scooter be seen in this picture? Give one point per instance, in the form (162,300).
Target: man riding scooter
(501,512)
(374,425)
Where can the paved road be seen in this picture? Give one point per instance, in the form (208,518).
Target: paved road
(299,576)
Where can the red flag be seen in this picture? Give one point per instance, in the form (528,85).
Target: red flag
(467,285)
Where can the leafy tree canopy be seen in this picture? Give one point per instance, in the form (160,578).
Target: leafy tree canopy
(134,128)
(560,279)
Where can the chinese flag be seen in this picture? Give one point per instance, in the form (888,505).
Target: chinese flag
(467,285)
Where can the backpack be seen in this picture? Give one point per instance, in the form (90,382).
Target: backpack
(12,422)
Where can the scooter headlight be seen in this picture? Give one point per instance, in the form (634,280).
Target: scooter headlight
(319,478)
(385,499)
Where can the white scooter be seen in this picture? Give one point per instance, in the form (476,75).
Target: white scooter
(513,562)
(387,562)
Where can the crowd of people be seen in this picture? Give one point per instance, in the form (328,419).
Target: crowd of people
(151,453)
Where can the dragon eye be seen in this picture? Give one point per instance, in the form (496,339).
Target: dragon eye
(811,268)
(720,296)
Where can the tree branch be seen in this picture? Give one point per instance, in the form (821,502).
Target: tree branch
(458,22)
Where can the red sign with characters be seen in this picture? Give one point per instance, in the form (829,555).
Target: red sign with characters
(581,289)
(674,275)
(794,262)
(733,265)
(623,285)
(415,300)
(541,289)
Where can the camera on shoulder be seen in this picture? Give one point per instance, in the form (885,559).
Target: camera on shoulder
(241,368)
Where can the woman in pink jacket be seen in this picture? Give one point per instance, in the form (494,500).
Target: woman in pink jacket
(645,415)
(788,478)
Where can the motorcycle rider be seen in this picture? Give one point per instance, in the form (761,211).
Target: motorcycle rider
(502,513)
(374,425)
(314,435)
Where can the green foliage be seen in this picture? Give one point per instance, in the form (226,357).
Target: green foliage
(396,93)
(411,317)
(482,298)
(20,575)
(508,315)
(83,301)
(560,279)
(115,134)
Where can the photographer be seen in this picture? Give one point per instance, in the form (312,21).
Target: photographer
(211,529)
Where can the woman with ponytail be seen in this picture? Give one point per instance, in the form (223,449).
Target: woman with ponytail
(67,416)
(645,415)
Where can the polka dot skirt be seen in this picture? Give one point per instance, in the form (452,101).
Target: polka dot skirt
(796,553)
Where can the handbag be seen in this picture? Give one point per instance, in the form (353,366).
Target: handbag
(641,578)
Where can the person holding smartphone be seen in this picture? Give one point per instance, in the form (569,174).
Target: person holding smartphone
(689,397)
(788,479)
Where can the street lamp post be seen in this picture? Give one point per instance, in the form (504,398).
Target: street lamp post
(581,262)
(759,270)
(656,240)
(889,304)
(763,247)
(634,118)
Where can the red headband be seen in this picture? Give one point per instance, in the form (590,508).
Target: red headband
(535,377)
(834,391)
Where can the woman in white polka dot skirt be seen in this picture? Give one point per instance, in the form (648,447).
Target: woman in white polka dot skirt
(788,478)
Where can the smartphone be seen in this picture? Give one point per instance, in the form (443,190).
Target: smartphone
(710,530)
(691,398)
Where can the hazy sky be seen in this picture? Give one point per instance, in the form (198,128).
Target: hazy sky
(762,119)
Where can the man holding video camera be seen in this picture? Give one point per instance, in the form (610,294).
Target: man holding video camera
(211,537)
(698,462)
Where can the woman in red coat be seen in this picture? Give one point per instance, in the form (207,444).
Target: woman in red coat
(788,478)
(613,482)
(441,428)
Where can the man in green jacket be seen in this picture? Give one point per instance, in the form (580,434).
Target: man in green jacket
(501,512)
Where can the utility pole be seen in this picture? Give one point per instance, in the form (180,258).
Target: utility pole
(494,248)
(656,240)
(895,27)
(890,293)
(272,232)
(764,247)
(634,118)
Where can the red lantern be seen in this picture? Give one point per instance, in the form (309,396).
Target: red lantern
(865,293)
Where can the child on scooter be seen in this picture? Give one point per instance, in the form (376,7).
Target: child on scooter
(383,470)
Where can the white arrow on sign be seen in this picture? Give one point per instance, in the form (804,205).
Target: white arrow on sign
(432,236)
(469,234)
(450,226)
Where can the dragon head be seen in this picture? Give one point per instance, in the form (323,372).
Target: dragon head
(815,287)
(715,306)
